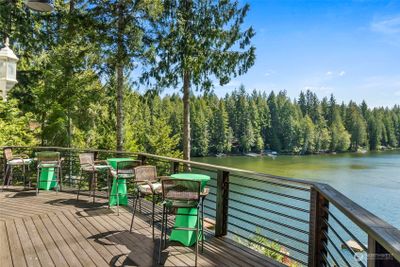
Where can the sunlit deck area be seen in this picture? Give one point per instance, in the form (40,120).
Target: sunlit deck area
(54,229)
(250,219)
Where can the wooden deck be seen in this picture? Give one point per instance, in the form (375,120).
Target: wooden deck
(56,230)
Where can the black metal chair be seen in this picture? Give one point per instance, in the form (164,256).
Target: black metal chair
(11,161)
(147,184)
(91,167)
(46,160)
(180,193)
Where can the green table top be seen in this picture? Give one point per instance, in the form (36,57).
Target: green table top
(113,161)
(191,176)
(119,159)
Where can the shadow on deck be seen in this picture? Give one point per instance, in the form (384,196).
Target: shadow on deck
(57,230)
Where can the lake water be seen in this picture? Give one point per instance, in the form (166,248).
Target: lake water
(371,179)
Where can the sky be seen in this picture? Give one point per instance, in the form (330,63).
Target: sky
(347,48)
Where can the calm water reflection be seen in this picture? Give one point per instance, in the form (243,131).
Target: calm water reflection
(372,179)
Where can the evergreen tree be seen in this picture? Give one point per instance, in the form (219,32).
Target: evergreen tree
(196,43)
(356,126)
(200,132)
(308,135)
(273,135)
(122,31)
(219,128)
(340,138)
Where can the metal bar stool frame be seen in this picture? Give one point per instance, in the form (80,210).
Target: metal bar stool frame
(13,161)
(124,171)
(89,165)
(186,195)
(49,159)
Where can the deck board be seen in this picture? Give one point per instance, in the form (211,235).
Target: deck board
(54,229)
(5,253)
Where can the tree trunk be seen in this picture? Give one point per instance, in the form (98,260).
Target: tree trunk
(120,109)
(186,116)
(120,77)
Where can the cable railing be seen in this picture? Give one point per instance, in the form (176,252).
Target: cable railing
(295,222)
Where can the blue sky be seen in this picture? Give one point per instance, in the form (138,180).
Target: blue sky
(348,48)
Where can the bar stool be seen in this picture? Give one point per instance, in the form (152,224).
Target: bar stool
(91,167)
(147,184)
(49,160)
(11,161)
(180,193)
(121,175)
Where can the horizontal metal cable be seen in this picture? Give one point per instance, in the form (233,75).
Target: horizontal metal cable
(272,192)
(326,260)
(270,211)
(209,214)
(276,241)
(269,229)
(202,169)
(268,248)
(347,231)
(330,254)
(337,250)
(272,221)
(208,207)
(273,183)
(343,242)
(271,201)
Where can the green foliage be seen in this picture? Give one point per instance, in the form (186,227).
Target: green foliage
(14,126)
(263,245)
(203,39)
(68,92)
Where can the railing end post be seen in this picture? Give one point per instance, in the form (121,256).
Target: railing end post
(221,220)
(319,206)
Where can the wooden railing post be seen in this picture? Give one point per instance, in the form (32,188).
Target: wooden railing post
(142,158)
(221,220)
(378,256)
(174,167)
(318,229)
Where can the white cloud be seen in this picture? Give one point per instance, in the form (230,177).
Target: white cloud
(389,28)
(269,73)
(387,25)
(332,74)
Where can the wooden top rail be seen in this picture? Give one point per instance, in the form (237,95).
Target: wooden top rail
(228,169)
(71,149)
(385,234)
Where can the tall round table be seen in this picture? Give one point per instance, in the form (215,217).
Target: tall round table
(122,189)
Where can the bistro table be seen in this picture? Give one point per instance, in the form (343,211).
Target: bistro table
(122,188)
(188,238)
(47,177)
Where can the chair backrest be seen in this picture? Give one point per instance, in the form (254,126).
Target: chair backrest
(181,189)
(48,156)
(86,159)
(126,168)
(146,173)
(8,153)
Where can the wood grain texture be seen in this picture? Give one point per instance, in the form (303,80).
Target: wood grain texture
(57,230)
